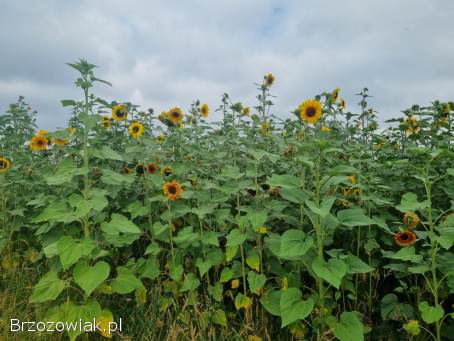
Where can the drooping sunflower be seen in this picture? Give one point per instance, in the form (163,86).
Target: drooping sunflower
(119,112)
(60,142)
(412,125)
(342,104)
(152,168)
(411,220)
(175,116)
(127,170)
(265,128)
(160,139)
(140,169)
(39,142)
(405,238)
(172,190)
(204,110)
(269,79)
(136,129)
(166,171)
(246,111)
(5,164)
(310,111)
(335,94)
(106,121)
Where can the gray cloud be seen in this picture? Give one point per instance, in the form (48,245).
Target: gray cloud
(160,54)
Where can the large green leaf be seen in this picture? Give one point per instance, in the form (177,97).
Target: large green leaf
(349,328)
(48,288)
(354,217)
(256,281)
(70,250)
(235,238)
(90,277)
(294,244)
(429,313)
(119,224)
(410,203)
(293,307)
(332,271)
(125,282)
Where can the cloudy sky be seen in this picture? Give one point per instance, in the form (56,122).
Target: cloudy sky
(165,53)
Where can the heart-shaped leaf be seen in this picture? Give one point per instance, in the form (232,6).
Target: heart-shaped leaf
(90,277)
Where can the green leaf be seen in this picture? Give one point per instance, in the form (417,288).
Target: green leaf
(293,307)
(125,282)
(349,328)
(90,277)
(322,210)
(218,317)
(256,281)
(137,209)
(48,288)
(410,203)
(294,195)
(392,309)
(203,266)
(226,275)
(332,271)
(294,244)
(71,250)
(68,102)
(354,217)
(407,254)
(153,249)
(119,224)
(110,177)
(56,211)
(356,265)
(430,314)
(242,301)
(253,261)
(235,238)
(190,283)
(284,181)
(271,302)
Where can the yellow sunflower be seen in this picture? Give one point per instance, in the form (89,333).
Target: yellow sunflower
(5,164)
(160,139)
(411,220)
(269,79)
(265,128)
(335,94)
(325,129)
(246,111)
(119,112)
(172,190)
(39,142)
(106,121)
(136,129)
(71,131)
(310,111)
(60,142)
(342,104)
(412,125)
(204,109)
(166,171)
(42,132)
(352,179)
(175,116)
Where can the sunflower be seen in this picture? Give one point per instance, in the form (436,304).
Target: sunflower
(152,168)
(269,79)
(162,116)
(352,179)
(204,109)
(325,129)
(119,113)
(310,110)
(5,164)
(446,108)
(346,192)
(175,116)
(412,124)
(166,171)
(60,142)
(411,220)
(335,94)
(136,129)
(246,111)
(265,128)
(160,139)
(405,238)
(106,121)
(71,131)
(342,104)
(127,170)
(42,132)
(39,142)
(172,190)
(140,169)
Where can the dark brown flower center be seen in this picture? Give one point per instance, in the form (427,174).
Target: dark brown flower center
(40,142)
(140,169)
(310,112)
(404,236)
(2,164)
(172,190)
(175,114)
(120,113)
(135,129)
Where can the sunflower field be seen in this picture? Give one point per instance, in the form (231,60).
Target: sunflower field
(323,226)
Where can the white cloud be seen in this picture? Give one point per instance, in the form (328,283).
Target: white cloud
(161,54)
